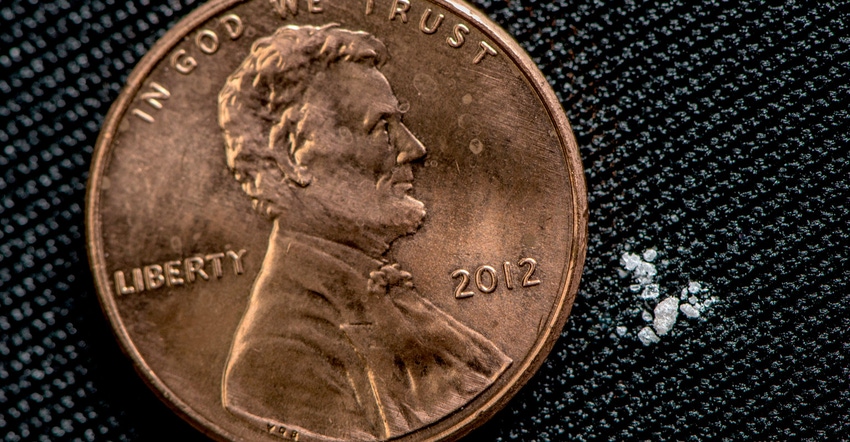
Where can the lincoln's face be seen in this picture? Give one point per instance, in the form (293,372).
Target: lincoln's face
(358,152)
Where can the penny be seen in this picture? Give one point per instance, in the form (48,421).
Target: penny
(336,220)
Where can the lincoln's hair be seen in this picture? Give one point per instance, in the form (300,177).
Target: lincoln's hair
(267,91)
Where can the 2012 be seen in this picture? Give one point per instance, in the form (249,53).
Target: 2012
(486,278)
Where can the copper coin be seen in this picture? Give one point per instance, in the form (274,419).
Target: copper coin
(336,220)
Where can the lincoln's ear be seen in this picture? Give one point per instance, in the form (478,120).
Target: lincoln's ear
(282,148)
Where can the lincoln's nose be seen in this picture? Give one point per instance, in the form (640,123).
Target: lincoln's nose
(408,147)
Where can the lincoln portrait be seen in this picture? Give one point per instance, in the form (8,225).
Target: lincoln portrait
(336,342)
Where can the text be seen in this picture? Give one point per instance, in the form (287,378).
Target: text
(486,278)
(179,272)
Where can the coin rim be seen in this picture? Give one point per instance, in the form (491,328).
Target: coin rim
(443,429)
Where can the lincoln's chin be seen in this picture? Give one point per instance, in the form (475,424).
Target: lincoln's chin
(409,215)
(418,215)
